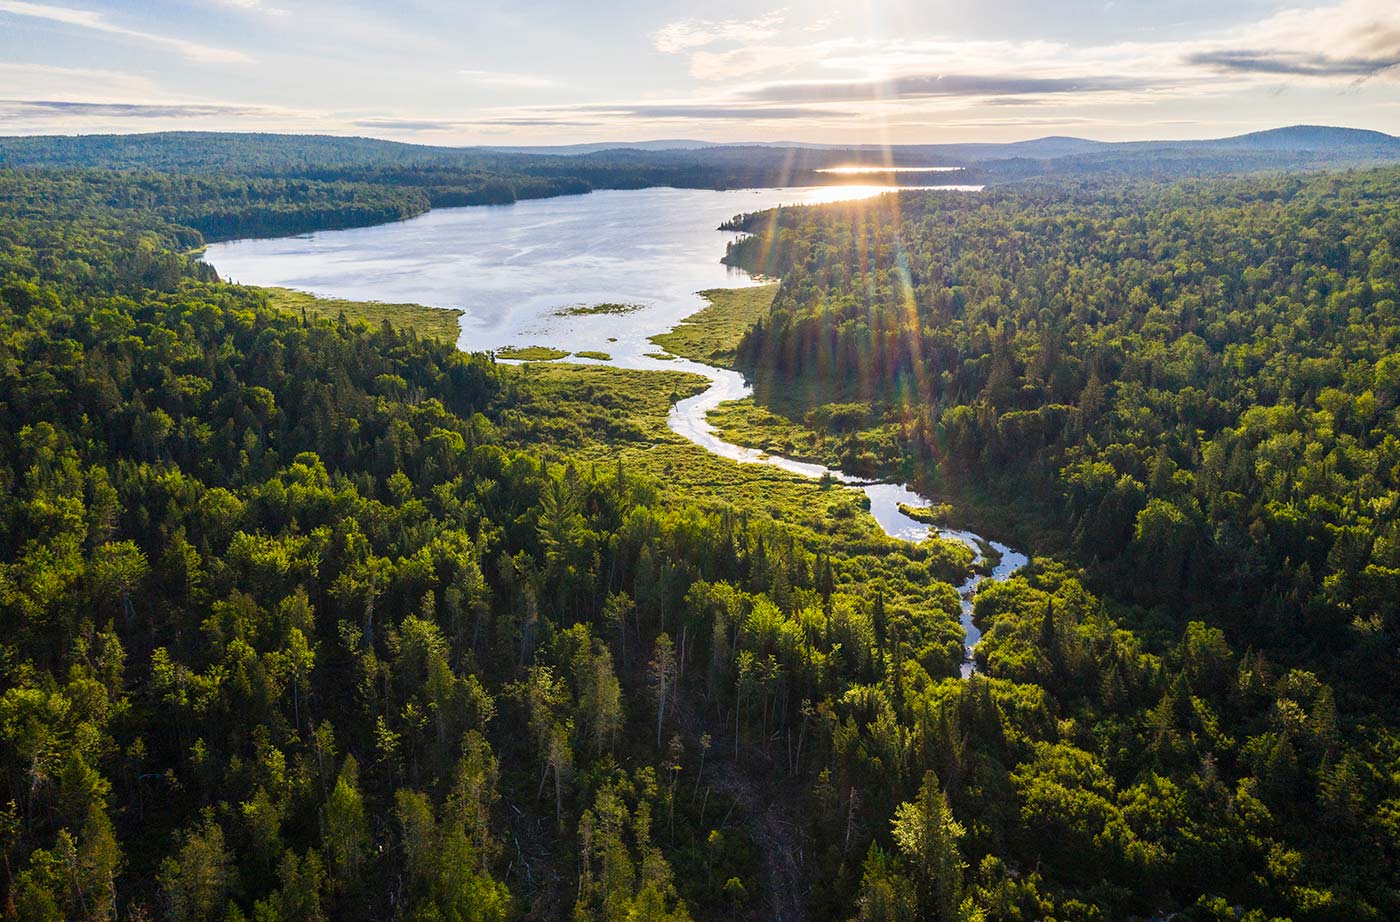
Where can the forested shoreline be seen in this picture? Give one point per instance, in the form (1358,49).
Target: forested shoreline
(1200,378)
(228,186)
(310,619)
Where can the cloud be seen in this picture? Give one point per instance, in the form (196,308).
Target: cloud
(60,109)
(429,123)
(918,86)
(1292,63)
(39,108)
(408,124)
(707,110)
(1352,40)
(504,78)
(711,110)
(688,34)
(87,19)
(256,6)
(93,84)
(1348,41)
(749,59)
(589,115)
(542,122)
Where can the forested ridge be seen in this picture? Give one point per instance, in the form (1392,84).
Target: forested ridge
(306,619)
(229,185)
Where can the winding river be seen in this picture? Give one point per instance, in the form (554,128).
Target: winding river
(516,270)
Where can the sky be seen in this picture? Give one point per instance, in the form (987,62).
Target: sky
(529,72)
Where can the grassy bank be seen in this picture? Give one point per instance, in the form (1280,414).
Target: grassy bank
(712,334)
(436,322)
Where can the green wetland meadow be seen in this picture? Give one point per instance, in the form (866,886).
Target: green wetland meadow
(309,614)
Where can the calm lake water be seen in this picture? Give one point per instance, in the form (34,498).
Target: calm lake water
(517,269)
(513,268)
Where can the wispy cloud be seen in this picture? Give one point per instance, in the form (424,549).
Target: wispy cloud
(40,108)
(1292,63)
(410,124)
(90,83)
(710,110)
(747,60)
(88,19)
(432,124)
(256,6)
(653,111)
(504,78)
(539,122)
(688,34)
(918,86)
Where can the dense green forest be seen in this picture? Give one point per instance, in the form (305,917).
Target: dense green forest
(1192,389)
(257,185)
(228,185)
(1198,379)
(304,618)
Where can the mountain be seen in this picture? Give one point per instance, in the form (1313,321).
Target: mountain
(1308,137)
(1303,138)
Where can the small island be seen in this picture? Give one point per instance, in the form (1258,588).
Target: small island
(530,353)
(927,515)
(589,310)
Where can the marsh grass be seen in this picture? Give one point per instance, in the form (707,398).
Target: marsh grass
(441,323)
(712,334)
(531,353)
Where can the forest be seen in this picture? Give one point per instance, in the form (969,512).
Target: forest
(305,618)
(229,185)
(1198,378)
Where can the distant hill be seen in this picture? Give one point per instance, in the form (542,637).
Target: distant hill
(1301,138)
(1308,137)
(466,175)
(207,151)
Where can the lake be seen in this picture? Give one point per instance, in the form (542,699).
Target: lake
(512,268)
